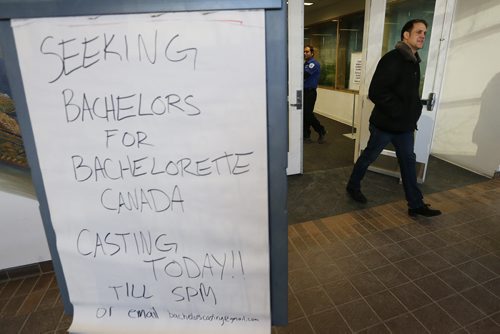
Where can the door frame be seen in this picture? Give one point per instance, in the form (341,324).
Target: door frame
(295,87)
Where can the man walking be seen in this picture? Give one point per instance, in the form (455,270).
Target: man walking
(311,78)
(395,92)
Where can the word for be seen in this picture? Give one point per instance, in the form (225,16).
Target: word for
(151,313)
(97,168)
(127,139)
(190,294)
(120,107)
(212,317)
(91,243)
(155,200)
(187,267)
(79,53)
(129,290)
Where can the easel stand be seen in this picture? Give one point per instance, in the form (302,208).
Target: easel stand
(352,135)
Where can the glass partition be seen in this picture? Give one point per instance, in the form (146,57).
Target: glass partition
(397,14)
(323,37)
(335,41)
(350,41)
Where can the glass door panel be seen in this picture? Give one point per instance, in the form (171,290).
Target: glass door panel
(397,13)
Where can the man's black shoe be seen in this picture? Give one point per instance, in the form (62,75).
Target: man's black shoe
(424,210)
(356,195)
(307,140)
(321,138)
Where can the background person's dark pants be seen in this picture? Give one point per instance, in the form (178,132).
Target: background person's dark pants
(404,144)
(309,118)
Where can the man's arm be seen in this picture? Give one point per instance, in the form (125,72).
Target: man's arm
(382,91)
(311,69)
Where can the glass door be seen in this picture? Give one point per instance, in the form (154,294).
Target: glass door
(385,21)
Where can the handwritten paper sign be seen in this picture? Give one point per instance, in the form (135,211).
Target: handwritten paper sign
(150,132)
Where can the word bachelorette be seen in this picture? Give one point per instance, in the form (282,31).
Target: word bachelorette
(97,168)
(79,53)
(85,108)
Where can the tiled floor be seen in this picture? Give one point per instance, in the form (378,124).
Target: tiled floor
(368,271)
(379,271)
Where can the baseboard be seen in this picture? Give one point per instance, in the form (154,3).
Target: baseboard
(26,271)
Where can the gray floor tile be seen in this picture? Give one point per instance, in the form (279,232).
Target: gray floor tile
(461,310)
(314,300)
(435,319)
(341,292)
(328,322)
(390,276)
(366,283)
(493,286)
(485,326)
(358,315)
(434,287)
(482,299)
(406,324)
(372,259)
(412,268)
(411,296)
(385,305)
(456,279)
(393,252)
(476,271)
(433,261)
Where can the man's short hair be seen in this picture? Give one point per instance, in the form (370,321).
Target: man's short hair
(409,26)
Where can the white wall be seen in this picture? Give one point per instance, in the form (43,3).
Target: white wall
(468,115)
(22,237)
(336,105)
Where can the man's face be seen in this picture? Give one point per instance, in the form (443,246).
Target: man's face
(307,53)
(416,37)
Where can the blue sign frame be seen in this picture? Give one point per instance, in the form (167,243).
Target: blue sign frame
(277,113)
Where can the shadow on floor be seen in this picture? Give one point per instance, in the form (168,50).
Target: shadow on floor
(320,191)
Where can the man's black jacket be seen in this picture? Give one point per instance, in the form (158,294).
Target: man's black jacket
(395,91)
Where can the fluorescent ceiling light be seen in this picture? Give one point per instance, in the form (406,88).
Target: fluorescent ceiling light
(308,3)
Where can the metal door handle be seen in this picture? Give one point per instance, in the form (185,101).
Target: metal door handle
(429,103)
(298,105)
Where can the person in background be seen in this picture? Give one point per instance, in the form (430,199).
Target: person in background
(311,78)
(394,90)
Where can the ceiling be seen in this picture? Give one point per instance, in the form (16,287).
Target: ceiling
(319,4)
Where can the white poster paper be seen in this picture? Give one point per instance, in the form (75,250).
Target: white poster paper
(150,131)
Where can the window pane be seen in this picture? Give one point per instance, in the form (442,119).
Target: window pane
(397,14)
(350,41)
(323,37)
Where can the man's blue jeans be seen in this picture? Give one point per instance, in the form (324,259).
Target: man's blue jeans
(404,144)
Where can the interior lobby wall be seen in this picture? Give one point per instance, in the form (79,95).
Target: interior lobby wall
(466,132)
